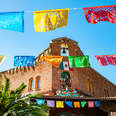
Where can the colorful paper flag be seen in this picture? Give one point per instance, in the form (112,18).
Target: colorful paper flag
(40,101)
(114,60)
(111,59)
(91,104)
(54,60)
(106,59)
(47,20)
(76,104)
(24,61)
(64,65)
(13,21)
(72,61)
(59,104)
(69,103)
(50,103)
(97,103)
(101,59)
(102,13)
(80,61)
(83,103)
(2,58)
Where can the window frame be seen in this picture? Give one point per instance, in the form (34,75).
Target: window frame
(30,88)
(36,83)
(90,86)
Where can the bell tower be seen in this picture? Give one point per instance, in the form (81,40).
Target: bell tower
(64,47)
(63,79)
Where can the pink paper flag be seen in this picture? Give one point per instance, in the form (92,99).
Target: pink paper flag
(91,104)
(101,59)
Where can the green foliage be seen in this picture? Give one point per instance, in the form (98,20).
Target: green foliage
(6,88)
(1,86)
(12,103)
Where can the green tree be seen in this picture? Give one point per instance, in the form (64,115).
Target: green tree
(12,103)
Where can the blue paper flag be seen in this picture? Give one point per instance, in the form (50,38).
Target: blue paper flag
(24,61)
(40,101)
(97,103)
(69,103)
(12,21)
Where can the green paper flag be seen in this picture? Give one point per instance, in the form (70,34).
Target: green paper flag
(83,103)
(71,61)
(80,61)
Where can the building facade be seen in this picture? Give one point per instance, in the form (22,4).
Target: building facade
(44,78)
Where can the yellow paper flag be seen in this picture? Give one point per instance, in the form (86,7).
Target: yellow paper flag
(2,58)
(47,20)
(59,104)
(54,60)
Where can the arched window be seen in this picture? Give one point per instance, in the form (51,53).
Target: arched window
(37,83)
(90,86)
(64,50)
(65,80)
(106,94)
(30,88)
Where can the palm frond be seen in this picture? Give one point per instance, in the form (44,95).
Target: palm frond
(6,87)
(20,88)
(12,103)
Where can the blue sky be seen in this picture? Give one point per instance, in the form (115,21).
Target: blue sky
(93,39)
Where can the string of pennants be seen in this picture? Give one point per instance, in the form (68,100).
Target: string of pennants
(56,61)
(71,104)
(47,20)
